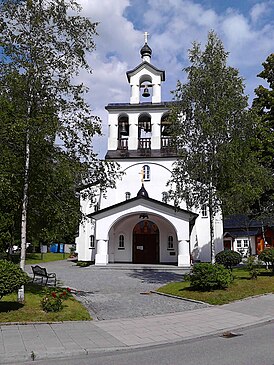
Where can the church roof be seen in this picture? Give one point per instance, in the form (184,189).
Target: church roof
(141,106)
(142,193)
(149,66)
(149,203)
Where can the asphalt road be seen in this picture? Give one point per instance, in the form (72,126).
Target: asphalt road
(253,346)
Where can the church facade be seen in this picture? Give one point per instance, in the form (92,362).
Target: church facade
(135,222)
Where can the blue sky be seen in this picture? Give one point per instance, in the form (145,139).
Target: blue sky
(246,28)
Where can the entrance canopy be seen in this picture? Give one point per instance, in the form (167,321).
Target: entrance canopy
(106,218)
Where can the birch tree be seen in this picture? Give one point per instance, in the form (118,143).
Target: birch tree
(44,45)
(213,129)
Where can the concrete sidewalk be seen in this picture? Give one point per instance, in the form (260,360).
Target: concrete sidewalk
(19,343)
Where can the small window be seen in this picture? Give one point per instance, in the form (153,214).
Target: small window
(164,197)
(204,211)
(146,173)
(246,243)
(128,195)
(92,241)
(170,245)
(121,245)
(239,243)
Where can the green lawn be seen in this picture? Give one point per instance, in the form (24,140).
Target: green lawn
(31,311)
(37,258)
(242,287)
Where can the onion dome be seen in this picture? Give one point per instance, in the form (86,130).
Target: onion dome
(146,52)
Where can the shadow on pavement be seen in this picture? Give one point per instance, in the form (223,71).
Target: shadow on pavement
(155,276)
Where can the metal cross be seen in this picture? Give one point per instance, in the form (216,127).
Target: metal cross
(146,34)
(142,173)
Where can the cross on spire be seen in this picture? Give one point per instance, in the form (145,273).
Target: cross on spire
(146,34)
(142,173)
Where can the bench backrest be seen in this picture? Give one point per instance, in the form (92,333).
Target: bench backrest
(38,270)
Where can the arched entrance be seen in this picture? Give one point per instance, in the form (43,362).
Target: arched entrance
(145,243)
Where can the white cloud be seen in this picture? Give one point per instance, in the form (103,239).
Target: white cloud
(259,10)
(173,26)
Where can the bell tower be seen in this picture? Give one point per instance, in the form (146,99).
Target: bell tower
(140,128)
(145,80)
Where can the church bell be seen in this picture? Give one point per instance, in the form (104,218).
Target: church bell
(123,128)
(146,93)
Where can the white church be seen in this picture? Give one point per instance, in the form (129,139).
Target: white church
(135,223)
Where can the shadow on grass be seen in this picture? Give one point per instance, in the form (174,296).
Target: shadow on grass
(267,273)
(10,306)
(35,289)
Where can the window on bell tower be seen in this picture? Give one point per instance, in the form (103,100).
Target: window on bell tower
(146,172)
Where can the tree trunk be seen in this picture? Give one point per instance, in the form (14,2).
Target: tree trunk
(211,224)
(21,291)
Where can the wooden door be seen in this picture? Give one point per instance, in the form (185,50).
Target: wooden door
(145,243)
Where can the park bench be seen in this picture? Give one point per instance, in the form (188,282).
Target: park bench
(42,272)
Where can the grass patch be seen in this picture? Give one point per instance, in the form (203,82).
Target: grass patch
(31,311)
(242,287)
(37,258)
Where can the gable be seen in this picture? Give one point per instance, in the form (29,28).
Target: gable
(148,67)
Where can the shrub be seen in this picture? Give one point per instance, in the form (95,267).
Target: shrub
(267,256)
(51,303)
(228,258)
(83,263)
(206,276)
(252,267)
(12,277)
(53,299)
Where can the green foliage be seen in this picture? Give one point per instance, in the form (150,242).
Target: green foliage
(263,105)
(11,277)
(83,263)
(213,131)
(252,266)
(44,46)
(206,276)
(267,256)
(228,258)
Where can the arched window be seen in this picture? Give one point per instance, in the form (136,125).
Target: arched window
(164,196)
(146,172)
(121,245)
(144,125)
(170,243)
(204,210)
(123,126)
(92,241)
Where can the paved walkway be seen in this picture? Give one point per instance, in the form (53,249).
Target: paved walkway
(20,343)
(23,343)
(121,291)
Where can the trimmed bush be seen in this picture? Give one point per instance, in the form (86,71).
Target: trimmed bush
(228,258)
(12,277)
(206,277)
(267,256)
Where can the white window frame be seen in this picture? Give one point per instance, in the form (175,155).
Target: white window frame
(164,197)
(121,242)
(204,211)
(92,241)
(170,242)
(146,172)
(128,195)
